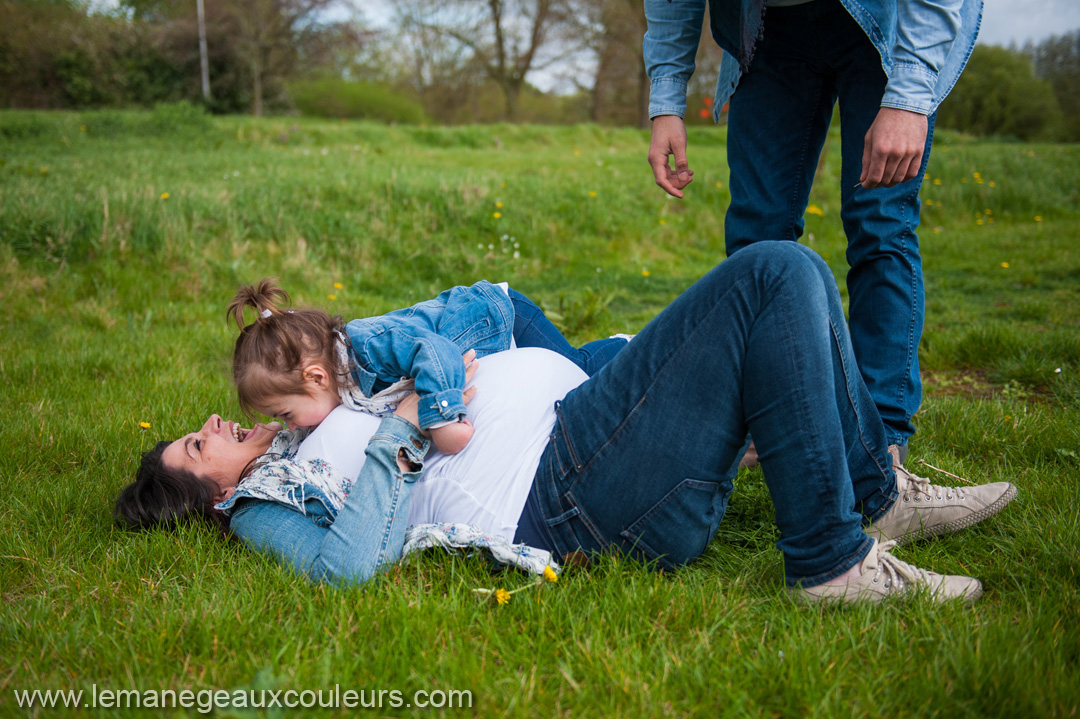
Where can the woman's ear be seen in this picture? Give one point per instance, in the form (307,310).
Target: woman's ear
(224,494)
(317,373)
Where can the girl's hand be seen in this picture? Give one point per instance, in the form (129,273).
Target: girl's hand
(408,409)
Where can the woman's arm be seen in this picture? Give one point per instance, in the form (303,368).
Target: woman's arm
(369,531)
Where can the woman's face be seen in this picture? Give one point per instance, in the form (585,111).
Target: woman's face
(220,451)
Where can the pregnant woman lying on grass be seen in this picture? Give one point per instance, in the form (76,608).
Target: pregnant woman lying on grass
(637,459)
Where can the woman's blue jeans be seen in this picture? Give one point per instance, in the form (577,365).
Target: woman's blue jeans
(810,56)
(532,328)
(643,455)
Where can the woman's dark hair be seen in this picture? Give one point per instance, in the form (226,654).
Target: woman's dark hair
(162,496)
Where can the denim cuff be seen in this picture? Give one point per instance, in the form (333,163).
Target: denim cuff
(400,435)
(444,406)
(667,96)
(910,87)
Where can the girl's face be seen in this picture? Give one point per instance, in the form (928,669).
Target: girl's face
(220,452)
(304,411)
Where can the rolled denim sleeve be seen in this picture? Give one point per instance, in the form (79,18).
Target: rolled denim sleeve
(369,532)
(669,47)
(432,361)
(925,33)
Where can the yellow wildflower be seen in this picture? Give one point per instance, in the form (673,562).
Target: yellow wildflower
(498,204)
(164,195)
(988,211)
(496,215)
(644,272)
(82,127)
(978,222)
(144,425)
(1005,265)
(331,297)
(963,180)
(502,596)
(338,285)
(719,185)
(993,184)
(44,171)
(663,222)
(815,210)
(937,180)
(577,152)
(550,575)
(1038,218)
(976,175)
(592,193)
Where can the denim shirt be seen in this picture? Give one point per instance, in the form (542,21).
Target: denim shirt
(369,531)
(924,45)
(425,342)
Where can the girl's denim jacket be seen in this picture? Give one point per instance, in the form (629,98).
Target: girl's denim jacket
(924,45)
(425,342)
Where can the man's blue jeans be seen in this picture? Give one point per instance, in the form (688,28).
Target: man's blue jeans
(809,56)
(642,456)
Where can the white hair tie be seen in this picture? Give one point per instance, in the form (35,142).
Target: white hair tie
(265,314)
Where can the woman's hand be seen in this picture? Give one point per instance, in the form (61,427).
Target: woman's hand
(408,408)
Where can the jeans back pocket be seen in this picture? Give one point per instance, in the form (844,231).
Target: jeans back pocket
(678,528)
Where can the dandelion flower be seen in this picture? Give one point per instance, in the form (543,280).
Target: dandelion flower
(164,195)
(338,285)
(498,204)
(550,575)
(331,297)
(937,180)
(82,127)
(496,215)
(1038,218)
(577,152)
(719,185)
(44,171)
(993,184)
(144,425)
(988,211)
(503,185)
(815,210)
(963,180)
(976,175)
(592,193)
(663,222)
(978,222)
(644,272)
(502,596)
(1005,265)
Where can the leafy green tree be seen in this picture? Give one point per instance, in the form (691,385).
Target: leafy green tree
(998,94)
(1057,60)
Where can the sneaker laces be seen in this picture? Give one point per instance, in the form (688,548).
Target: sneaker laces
(897,573)
(921,485)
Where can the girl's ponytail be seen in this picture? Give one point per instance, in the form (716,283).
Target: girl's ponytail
(264,297)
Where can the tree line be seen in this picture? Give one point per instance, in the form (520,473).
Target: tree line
(443,61)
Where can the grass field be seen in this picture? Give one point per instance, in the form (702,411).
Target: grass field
(123,236)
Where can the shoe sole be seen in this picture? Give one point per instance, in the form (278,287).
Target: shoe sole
(957,524)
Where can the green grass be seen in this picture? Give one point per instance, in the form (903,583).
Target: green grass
(114,315)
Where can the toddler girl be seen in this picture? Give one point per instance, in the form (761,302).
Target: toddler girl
(298,365)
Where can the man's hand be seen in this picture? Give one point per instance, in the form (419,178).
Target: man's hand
(669,138)
(893,148)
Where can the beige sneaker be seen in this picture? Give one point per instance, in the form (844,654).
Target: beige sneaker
(882,575)
(926,510)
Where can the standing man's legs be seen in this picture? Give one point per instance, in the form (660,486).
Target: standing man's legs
(885,282)
(777,123)
(809,56)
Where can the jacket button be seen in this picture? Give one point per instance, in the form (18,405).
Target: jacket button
(417,443)
(444,403)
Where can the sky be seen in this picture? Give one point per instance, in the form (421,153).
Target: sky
(1004,22)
